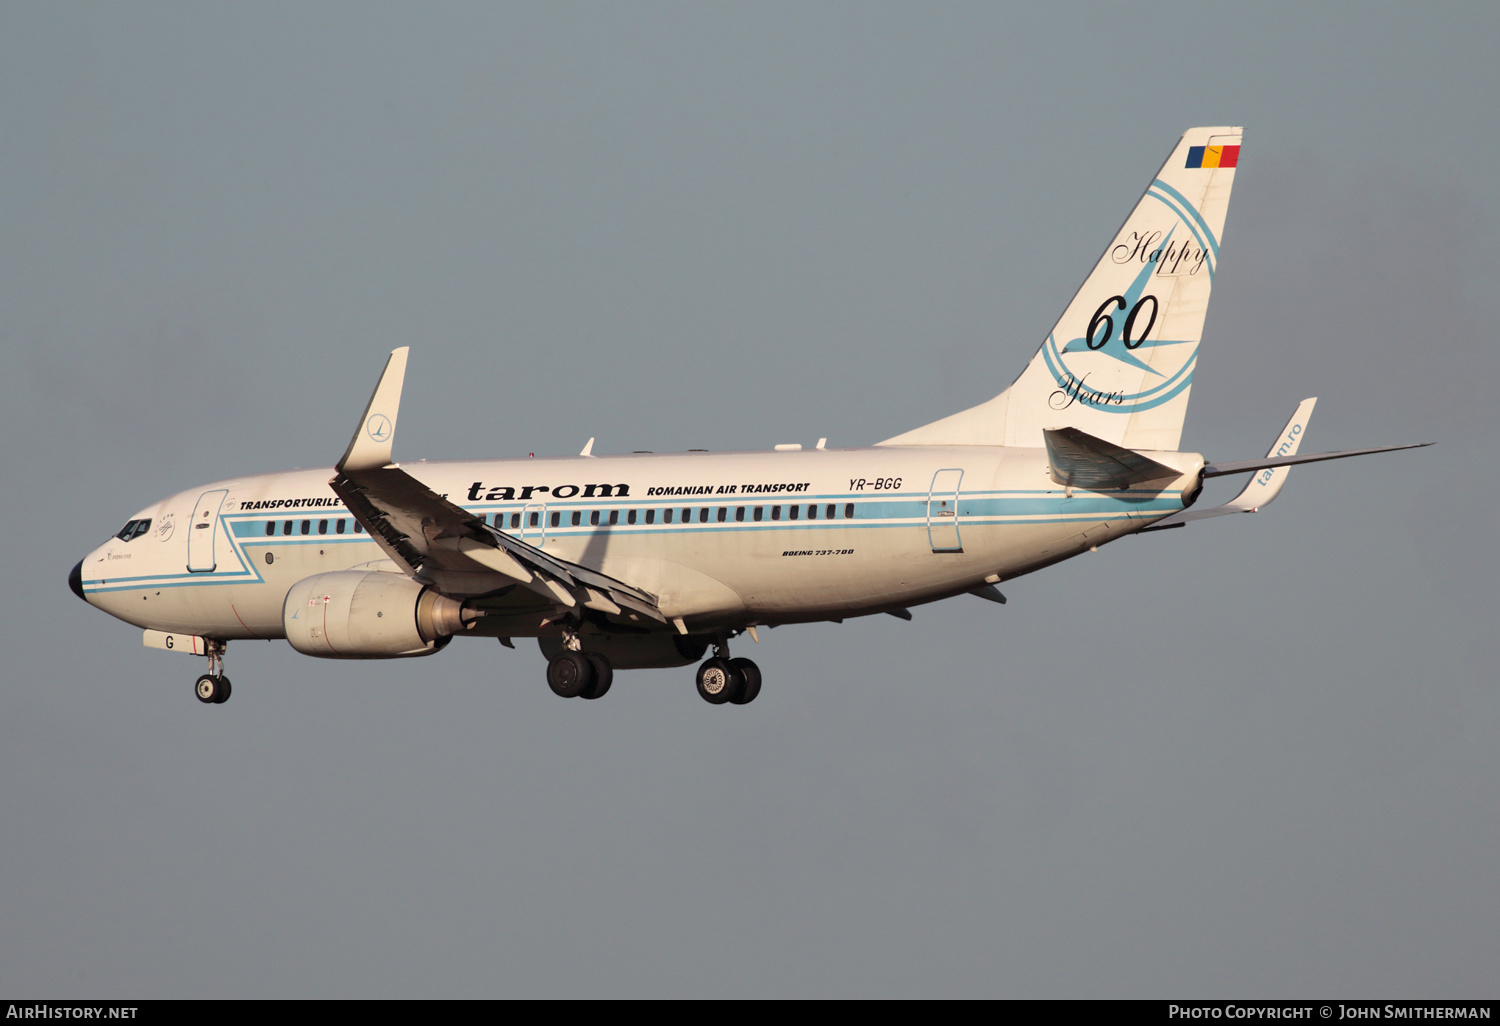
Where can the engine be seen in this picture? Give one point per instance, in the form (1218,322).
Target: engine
(355,614)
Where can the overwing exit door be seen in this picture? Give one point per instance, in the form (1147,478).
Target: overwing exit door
(534,524)
(203,529)
(942,511)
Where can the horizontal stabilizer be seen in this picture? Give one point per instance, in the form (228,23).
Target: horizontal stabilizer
(1264,487)
(1274,467)
(1079,460)
(1245,466)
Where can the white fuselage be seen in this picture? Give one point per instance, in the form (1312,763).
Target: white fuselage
(722,540)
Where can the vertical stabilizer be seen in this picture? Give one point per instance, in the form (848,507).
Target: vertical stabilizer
(1119,363)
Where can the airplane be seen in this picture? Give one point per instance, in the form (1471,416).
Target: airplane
(654,559)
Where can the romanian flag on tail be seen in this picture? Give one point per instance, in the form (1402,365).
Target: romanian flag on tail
(1213,156)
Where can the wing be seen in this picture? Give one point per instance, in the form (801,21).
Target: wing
(440,543)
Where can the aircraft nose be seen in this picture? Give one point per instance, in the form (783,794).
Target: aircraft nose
(75,579)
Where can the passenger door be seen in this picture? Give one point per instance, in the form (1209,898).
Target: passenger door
(203,530)
(942,511)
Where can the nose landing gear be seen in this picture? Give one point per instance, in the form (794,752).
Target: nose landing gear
(212,690)
(213,687)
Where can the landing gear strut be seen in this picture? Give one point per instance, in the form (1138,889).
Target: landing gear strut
(213,687)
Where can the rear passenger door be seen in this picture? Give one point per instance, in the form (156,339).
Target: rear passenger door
(942,511)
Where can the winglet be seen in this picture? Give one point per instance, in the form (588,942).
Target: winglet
(1266,485)
(370,448)
(1263,487)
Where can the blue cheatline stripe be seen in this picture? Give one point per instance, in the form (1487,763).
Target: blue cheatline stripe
(984,509)
(1213,243)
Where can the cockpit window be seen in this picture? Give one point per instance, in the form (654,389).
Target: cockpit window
(134,529)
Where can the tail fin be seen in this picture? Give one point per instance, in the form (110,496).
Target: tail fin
(1119,364)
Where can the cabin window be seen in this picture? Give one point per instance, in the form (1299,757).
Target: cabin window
(791,512)
(775,512)
(812,511)
(739,514)
(322,527)
(703,515)
(830,511)
(614,517)
(630,517)
(593,518)
(577,517)
(848,511)
(515,520)
(359,528)
(270,528)
(666,516)
(286,528)
(535,518)
(338,528)
(758,511)
(687,516)
(556,519)
(650,516)
(723,514)
(307,527)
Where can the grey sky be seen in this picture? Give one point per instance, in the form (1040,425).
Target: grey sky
(1255,756)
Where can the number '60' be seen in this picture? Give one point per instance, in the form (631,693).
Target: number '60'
(1127,333)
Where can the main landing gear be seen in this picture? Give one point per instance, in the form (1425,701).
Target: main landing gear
(213,687)
(574,673)
(721,679)
(577,674)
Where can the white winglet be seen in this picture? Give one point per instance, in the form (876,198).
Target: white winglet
(1266,485)
(370,448)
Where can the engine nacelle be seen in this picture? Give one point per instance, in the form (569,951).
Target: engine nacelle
(355,614)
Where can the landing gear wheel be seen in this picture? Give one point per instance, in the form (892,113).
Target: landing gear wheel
(718,681)
(750,675)
(209,688)
(604,676)
(224,691)
(570,674)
